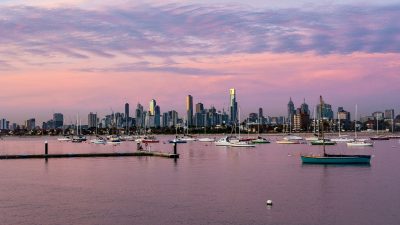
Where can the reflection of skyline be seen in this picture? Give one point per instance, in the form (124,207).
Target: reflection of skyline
(102,58)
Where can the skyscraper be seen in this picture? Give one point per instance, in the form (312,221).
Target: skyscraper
(126,112)
(233,105)
(92,120)
(290,109)
(58,120)
(199,107)
(157,116)
(189,110)
(139,116)
(152,108)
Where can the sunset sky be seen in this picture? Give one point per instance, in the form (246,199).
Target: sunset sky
(79,56)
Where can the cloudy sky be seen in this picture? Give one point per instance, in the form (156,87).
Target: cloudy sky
(79,56)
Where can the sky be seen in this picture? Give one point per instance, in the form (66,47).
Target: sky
(83,56)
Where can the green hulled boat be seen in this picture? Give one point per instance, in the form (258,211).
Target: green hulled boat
(333,158)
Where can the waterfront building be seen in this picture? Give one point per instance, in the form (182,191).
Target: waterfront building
(58,120)
(233,105)
(4,124)
(189,110)
(92,120)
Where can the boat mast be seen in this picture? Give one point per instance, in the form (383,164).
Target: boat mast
(322,124)
(355,125)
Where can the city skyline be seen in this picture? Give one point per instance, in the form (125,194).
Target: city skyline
(110,53)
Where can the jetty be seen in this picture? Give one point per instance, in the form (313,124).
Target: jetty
(140,152)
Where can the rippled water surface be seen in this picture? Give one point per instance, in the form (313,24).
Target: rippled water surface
(207,185)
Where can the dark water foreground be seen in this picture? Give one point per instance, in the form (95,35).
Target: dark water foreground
(207,185)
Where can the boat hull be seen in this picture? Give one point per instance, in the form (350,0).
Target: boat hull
(336,159)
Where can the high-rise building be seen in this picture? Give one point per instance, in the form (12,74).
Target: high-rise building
(152,108)
(58,120)
(378,115)
(127,118)
(189,110)
(290,109)
(4,124)
(157,116)
(327,112)
(30,124)
(199,107)
(139,116)
(233,105)
(343,119)
(92,120)
(304,108)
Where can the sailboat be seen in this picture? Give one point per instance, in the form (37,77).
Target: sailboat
(205,139)
(240,143)
(357,142)
(378,137)
(260,140)
(341,138)
(333,158)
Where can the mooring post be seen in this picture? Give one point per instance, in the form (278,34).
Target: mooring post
(175,148)
(46,148)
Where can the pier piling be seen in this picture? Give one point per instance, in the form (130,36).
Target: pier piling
(46,148)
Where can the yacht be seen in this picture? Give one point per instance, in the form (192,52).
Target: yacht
(225,141)
(206,139)
(65,138)
(359,144)
(114,139)
(242,144)
(260,140)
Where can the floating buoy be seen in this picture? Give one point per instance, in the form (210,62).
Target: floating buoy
(269,202)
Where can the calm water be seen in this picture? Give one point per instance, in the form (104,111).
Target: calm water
(207,185)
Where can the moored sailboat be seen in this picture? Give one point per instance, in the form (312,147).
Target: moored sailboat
(333,158)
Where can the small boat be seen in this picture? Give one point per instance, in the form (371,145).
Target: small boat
(342,139)
(260,140)
(242,144)
(78,139)
(323,142)
(288,142)
(336,159)
(98,141)
(293,137)
(206,139)
(177,141)
(65,138)
(379,138)
(311,138)
(359,144)
(188,138)
(114,139)
(128,138)
(394,136)
(223,142)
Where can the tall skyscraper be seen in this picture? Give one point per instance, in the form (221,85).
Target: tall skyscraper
(189,110)
(290,109)
(139,116)
(304,108)
(127,111)
(233,105)
(30,124)
(58,120)
(92,120)
(157,116)
(152,108)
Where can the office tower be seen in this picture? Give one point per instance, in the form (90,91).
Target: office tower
(139,116)
(304,108)
(92,120)
(4,124)
(389,114)
(127,119)
(58,120)
(233,105)
(157,116)
(189,110)
(30,124)
(153,104)
(327,112)
(290,109)
(199,107)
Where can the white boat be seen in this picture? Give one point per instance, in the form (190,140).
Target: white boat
(293,137)
(188,138)
(242,144)
(312,139)
(288,142)
(66,138)
(206,139)
(98,141)
(128,138)
(114,139)
(225,141)
(260,140)
(359,144)
(342,139)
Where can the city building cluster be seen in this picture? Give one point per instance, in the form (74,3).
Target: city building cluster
(300,119)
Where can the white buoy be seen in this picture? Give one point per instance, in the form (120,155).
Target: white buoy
(269,202)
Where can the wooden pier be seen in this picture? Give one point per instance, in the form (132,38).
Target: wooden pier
(88,155)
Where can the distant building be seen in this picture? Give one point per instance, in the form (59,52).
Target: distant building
(189,110)
(170,119)
(92,120)
(58,120)
(344,119)
(327,112)
(127,120)
(378,115)
(30,124)
(139,114)
(152,108)
(233,105)
(4,124)
(389,114)
(199,107)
